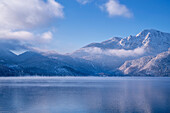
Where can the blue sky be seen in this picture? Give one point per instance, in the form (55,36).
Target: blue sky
(75,23)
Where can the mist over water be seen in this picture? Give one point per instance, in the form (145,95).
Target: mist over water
(84,95)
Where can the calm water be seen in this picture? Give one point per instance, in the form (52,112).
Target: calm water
(84,95)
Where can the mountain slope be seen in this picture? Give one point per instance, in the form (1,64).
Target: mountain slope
(37,63)
(43,64)
(6,56)
(148,66)
(108,44)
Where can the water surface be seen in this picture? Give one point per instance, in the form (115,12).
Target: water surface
(84,95)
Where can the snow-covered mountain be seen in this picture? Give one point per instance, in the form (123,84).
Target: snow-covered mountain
(114,52)
(148,66)
(154,40)
(144,54)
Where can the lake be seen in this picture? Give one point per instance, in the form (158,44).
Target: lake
(84,95)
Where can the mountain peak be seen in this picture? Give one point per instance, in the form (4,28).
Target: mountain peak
(148,31)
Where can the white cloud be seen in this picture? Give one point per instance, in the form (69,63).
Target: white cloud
(25,36)
(17,35)
(125,53)
(47,35)
(23,14)
(114,52)
(19,17)
(83,1)
(114,8)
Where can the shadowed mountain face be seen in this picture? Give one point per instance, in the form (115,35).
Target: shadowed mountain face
(34,63)
(7,56)
(145,54)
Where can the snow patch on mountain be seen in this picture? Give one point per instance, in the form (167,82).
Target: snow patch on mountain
(151,65)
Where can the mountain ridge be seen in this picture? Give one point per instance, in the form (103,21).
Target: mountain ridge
(114,57)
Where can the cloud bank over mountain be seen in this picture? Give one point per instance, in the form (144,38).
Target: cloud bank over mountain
(113,52)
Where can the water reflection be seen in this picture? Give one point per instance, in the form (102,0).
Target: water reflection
(85,96)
